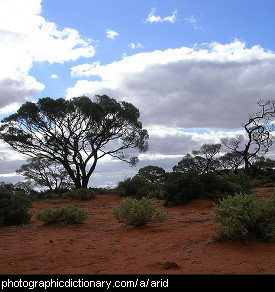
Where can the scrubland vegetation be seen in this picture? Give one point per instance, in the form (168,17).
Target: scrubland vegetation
(239,213)
(64,215)
(138,212)
(72,138)
(244,217)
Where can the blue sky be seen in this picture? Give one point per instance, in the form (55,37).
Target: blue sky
(195,69)
(197,22)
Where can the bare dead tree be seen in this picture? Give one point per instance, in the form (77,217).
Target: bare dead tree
(258,134)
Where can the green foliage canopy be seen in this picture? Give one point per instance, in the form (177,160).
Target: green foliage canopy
(152,173)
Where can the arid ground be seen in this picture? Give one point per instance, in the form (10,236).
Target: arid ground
(184,244)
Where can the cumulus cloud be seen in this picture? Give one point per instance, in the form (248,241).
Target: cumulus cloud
(26,37)
(156,18)
(84,70)
(111,34)
(9,162)
(17,88)
(213,86)
(186,96)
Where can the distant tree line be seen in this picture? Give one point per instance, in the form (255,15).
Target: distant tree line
(198,176)
(211,173)
(209,159)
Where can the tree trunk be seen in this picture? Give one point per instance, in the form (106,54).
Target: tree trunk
(85,183)
(76,179)
(86,176)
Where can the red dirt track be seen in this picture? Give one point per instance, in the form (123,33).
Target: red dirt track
(184,244)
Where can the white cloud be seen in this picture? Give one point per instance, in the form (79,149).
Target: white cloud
(135,46)
(84,70)
(11,108)
(169,142)
(212,86)
(156,18)
(54,76)
(17,88)
(26,37)
(192,20)
(111,34)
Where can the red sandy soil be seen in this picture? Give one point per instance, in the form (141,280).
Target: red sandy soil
(184,244)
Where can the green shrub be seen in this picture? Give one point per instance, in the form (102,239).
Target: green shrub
(138,212)
(150,191)
(270,185)
(13,207)
(63,215)
(140,187)
(80,194)
(135,186)
(243,217)
(181,188)
(157,193)
(242,183)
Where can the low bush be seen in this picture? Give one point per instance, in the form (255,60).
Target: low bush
(64,215)
(138,212)
(80,194)
(13,207)
(244,217)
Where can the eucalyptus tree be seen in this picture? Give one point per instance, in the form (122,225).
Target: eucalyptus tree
(46,173)
(76,133)
(151,173)
(231,161)
(203,160)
